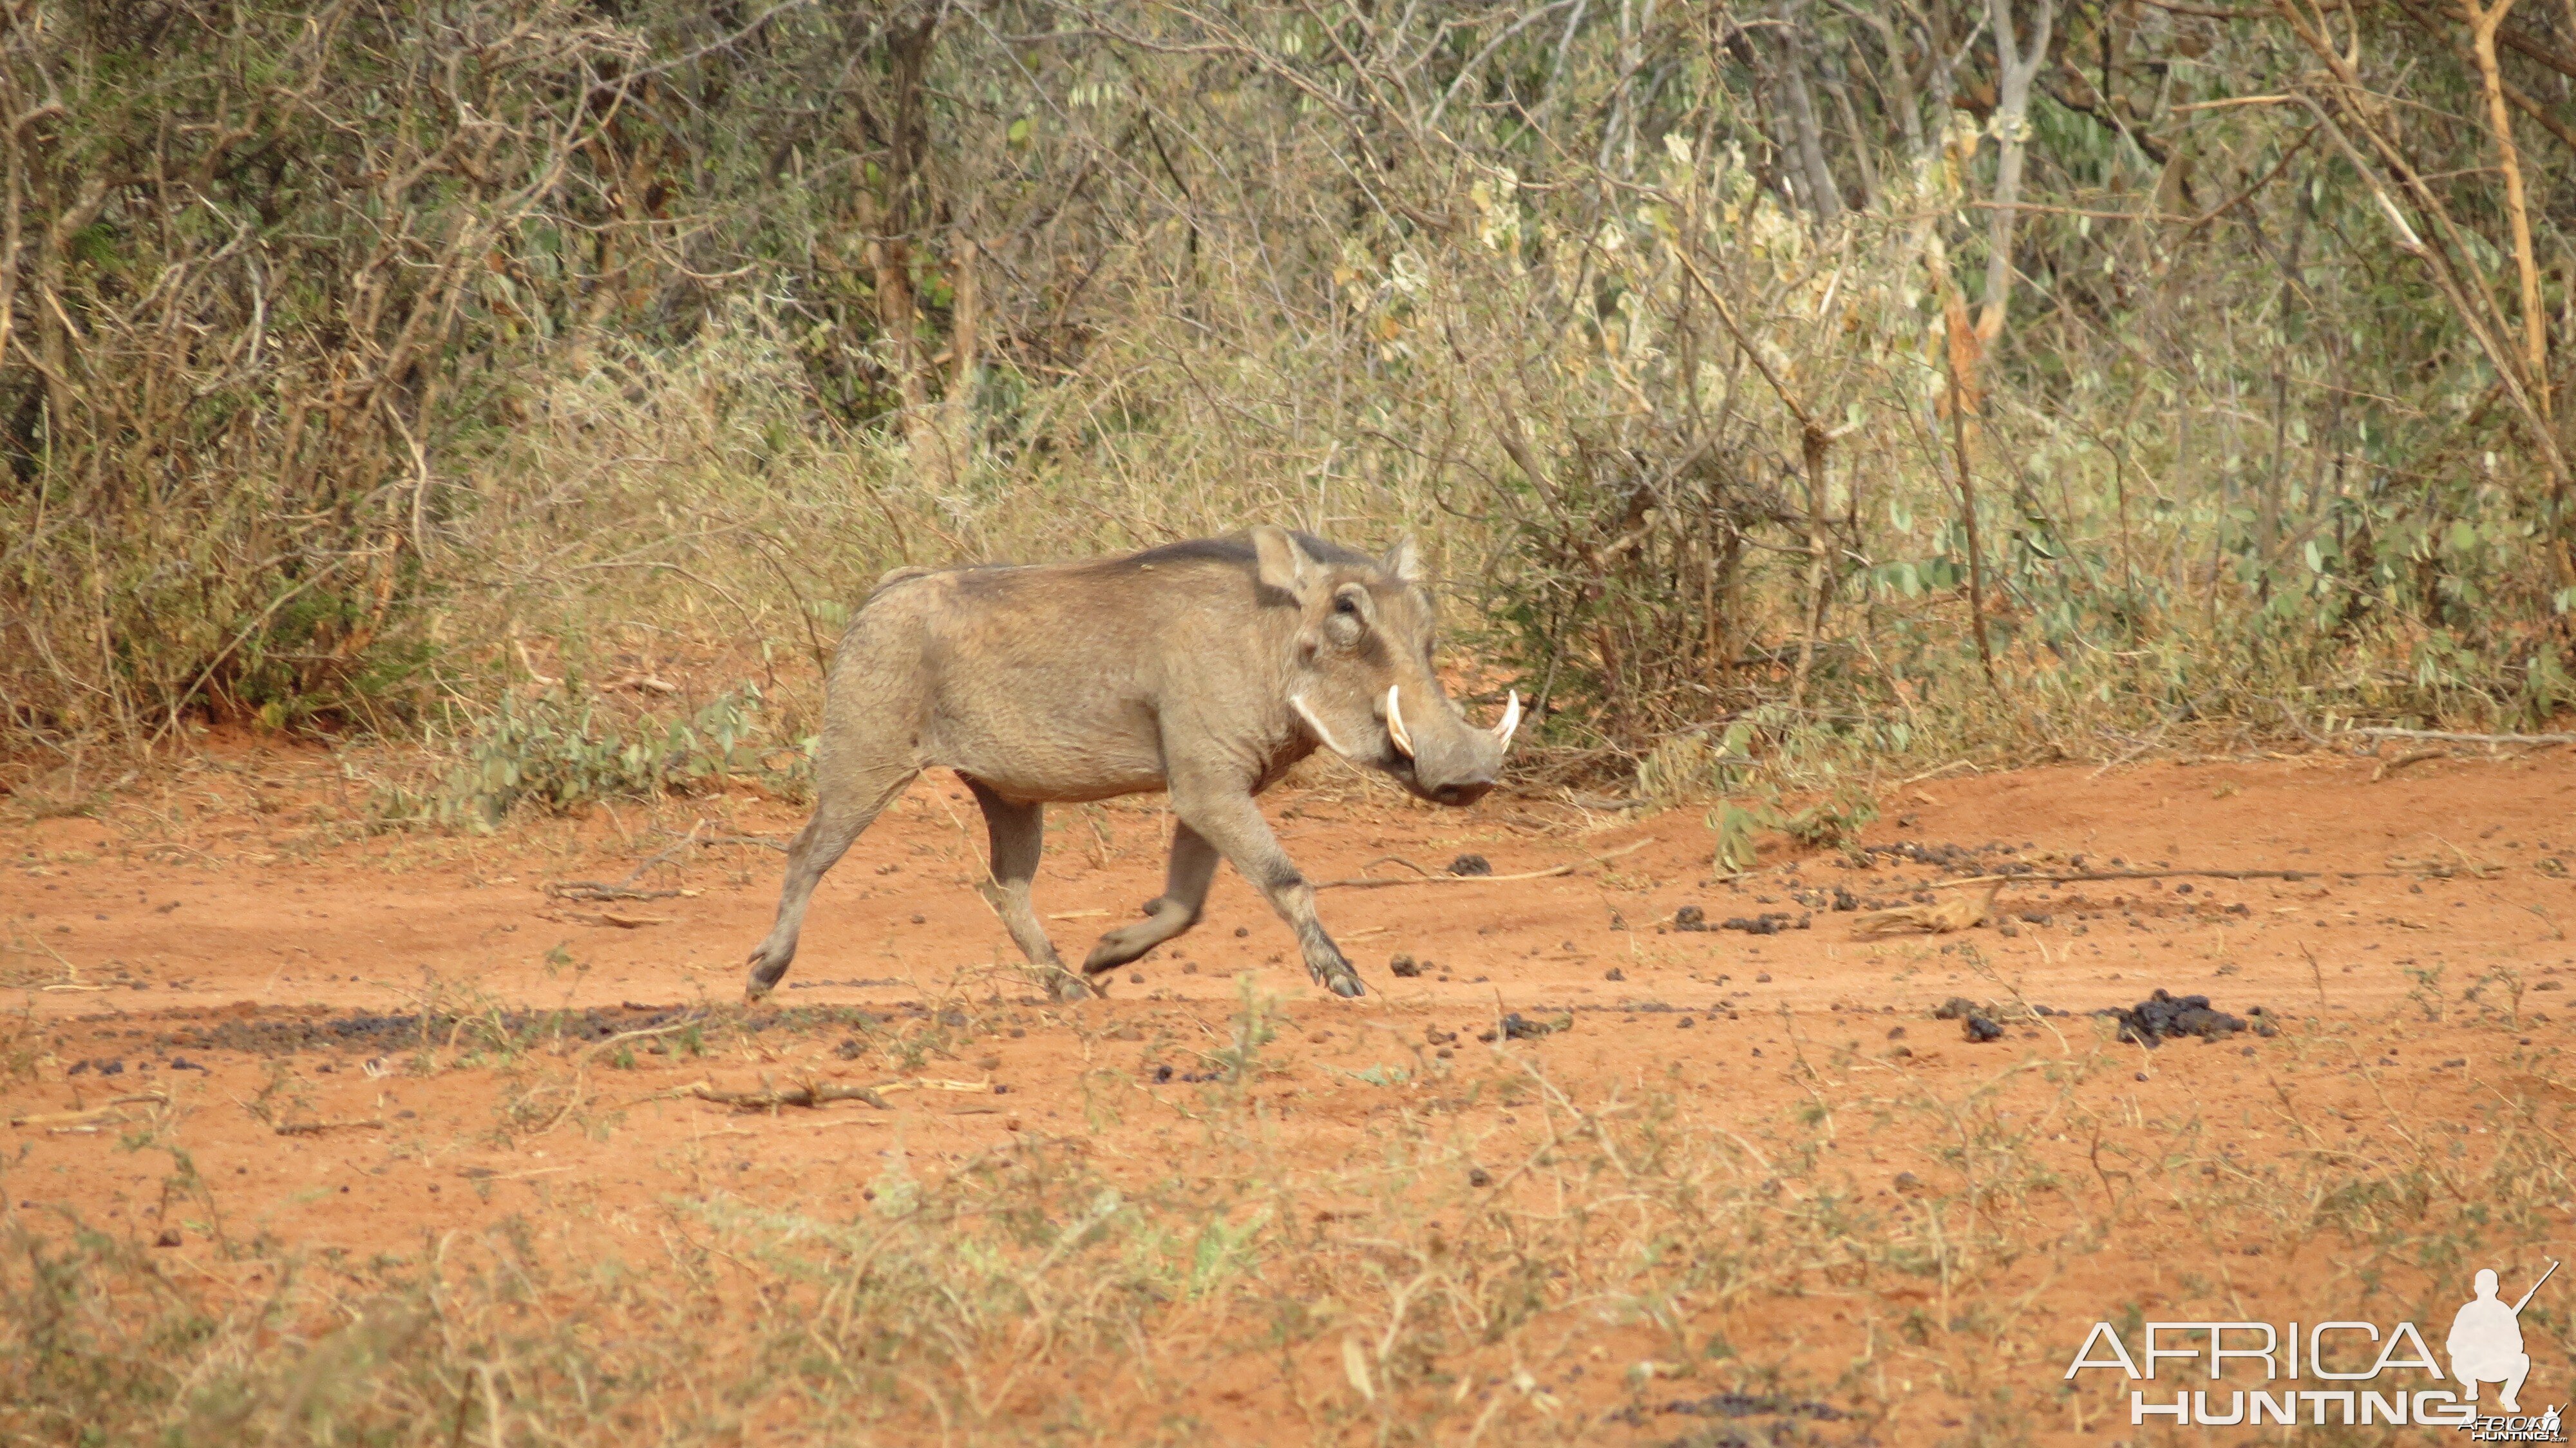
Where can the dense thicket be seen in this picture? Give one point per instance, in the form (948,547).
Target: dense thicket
(1913,374)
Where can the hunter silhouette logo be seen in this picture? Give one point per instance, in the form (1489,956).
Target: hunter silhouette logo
(2364,1377)
(2486,1341)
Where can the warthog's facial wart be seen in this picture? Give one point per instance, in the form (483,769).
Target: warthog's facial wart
(1323,735)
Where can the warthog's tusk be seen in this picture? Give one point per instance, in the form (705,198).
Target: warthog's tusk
(1511,721)
(1395,729)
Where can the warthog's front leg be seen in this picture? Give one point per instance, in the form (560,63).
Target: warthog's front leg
(1185,887)
(1226,817)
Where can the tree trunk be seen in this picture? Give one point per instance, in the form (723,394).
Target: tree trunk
(2014,67)
(1824,198)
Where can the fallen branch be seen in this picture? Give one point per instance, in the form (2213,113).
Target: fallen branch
(1958,912)
(315,1128)
(71,980)
(1367,882)
(2096,875)
(2388,767)
(625,889)
(594,891)
(104,1114)
(2447,737)
(813,1093)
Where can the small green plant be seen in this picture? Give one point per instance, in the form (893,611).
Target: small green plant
(1693,765)
(555,754)
(2427,990)
(1835,821)
(1255,1026)
(1735,826)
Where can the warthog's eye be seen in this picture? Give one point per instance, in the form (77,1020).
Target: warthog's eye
(1346,606)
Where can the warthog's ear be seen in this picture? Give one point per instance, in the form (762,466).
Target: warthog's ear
(1284,565)
(1404,561)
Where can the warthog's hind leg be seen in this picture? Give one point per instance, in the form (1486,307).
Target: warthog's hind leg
(1185,887)
(842,812)
(1018,835)
(1228,819)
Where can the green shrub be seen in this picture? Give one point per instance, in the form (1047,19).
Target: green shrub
(554,753)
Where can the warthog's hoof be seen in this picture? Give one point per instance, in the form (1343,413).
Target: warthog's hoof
(1344,983)
(763,977)
(1064,985)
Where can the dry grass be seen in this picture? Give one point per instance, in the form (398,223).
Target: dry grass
(1618,1248)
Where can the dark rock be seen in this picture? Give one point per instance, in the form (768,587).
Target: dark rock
(1471,865)
(1515,1028)
(1978,1029)
(1405,966)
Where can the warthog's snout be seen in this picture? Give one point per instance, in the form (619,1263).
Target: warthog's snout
(1452,762)
(1462,791)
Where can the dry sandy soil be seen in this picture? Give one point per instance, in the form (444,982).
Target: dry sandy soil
(1752,1191)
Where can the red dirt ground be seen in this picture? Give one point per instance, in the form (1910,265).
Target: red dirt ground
(227,900)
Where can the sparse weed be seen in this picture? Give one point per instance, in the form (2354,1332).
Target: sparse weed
(549,752)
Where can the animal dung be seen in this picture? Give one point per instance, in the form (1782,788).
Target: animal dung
(2163,1016)
(1692,918)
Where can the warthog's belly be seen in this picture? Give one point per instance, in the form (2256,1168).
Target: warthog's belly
(1059,756)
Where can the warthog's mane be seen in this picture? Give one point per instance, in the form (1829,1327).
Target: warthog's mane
(1237,549)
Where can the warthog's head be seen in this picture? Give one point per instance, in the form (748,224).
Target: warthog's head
(1360,674)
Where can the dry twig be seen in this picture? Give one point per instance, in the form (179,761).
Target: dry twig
(1956,912)
(812,1093)
(105,1114)
(1429,877)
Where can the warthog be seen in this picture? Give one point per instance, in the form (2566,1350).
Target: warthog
(1205,668)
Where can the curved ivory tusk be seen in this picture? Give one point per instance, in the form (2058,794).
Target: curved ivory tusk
(1395,729)
(1511,721)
